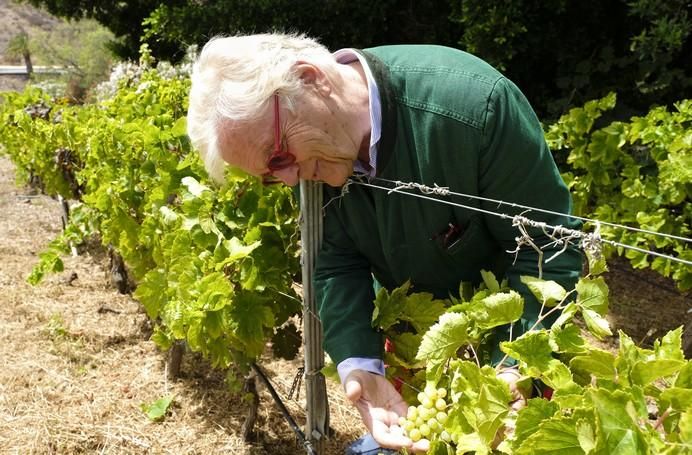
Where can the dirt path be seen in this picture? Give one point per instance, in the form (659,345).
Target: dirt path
(78,365)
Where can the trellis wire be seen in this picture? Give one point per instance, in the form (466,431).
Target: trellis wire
(444,191)
(590,241)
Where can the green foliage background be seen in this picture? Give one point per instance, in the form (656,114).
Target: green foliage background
(561,53)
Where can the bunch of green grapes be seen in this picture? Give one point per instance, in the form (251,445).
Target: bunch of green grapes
(426,421)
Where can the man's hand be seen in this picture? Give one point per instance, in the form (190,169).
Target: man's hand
(380,406)
(519,396)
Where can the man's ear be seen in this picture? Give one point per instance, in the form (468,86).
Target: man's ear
(311,75)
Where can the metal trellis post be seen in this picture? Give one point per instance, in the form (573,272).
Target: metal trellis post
(316,391)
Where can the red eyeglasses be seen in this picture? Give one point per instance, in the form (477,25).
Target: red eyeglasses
(280,158)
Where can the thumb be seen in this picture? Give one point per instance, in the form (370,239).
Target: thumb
(353,388)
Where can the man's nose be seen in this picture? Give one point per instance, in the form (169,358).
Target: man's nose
(288,175)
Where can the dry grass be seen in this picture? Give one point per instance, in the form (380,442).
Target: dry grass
(78,364)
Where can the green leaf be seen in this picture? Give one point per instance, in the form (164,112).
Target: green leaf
(586,436)
(567,314)
(618,433)
(215,292)
(442,341)
(420,309)
(497,309)
(237,250)
(536,411)
(151,292)
(685,425)
(567,339)
(684,378)
(670,346)
(676,398)
(481,403)
(156,411)
(548,293)
(193,186)
(554,436)
(490,281)
(646,372)
(533,348)
(596,324)
(596,362)
(179,128)
(389,307)
(406,348)
(592,294)
(249,317)
(491,409)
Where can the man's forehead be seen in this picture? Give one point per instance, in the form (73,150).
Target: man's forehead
(243,144)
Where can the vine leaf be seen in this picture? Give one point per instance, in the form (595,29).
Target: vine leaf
(592,294)
(490,281)
(420,309)
(597,325)
(497,309)
(442,341)
(156,411)
(548,292)
(557,435)
(617,432)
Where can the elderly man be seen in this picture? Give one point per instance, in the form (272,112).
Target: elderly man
(284,108)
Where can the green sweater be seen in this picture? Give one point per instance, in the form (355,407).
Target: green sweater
(450,119)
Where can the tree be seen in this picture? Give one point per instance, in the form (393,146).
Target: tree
(19,47)
(80,47)
(168,28)
(124,19)
(564,53)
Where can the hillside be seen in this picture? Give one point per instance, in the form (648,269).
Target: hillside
(14,17)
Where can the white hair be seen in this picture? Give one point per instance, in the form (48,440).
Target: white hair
(235,77)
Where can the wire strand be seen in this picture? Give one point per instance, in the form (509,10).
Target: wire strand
(446,191)
(441,191)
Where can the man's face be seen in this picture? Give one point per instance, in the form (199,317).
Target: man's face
(316,135)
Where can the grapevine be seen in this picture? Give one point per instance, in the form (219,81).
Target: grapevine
(599,401)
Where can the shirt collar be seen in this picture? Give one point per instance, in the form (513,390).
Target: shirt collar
(349,55)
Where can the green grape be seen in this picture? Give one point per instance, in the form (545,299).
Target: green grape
(441,404)
(431,392)
(424,430)
(412,413)
(441,417)
(415,435)
(402,421)
(446,437)
(421,396)
(427,402)
(433,424)
(409,425)
(426,413)
(441,392)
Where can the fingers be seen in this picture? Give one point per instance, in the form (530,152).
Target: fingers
(353,388)
(391,437)
(511,376)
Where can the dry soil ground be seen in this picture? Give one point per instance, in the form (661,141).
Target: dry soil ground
(78,364)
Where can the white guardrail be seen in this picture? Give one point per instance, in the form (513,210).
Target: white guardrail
(20,70)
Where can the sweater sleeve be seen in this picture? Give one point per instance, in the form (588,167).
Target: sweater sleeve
(345,295)
(517,166)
